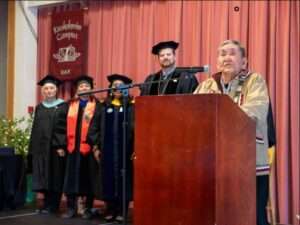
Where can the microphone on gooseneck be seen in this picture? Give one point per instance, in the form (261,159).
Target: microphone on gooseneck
(123,88)
(193,69)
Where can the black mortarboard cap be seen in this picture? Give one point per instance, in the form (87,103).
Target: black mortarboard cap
(164,44)
(49,79)
(111,78)
(84,79)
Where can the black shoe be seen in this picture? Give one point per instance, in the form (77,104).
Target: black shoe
(43,211)
(119,219)
(87,215)
(109,218)
(69,214)
(46,211)
(95,212)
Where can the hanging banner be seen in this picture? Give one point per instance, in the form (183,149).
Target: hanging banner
(67,49)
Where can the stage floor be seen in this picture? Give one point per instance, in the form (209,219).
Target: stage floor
(28,216)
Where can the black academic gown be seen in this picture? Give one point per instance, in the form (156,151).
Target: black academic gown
(82,171)
(176,83)
(47,166)
(111,142)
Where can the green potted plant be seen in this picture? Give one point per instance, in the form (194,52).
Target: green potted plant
(14,142)
(15,133)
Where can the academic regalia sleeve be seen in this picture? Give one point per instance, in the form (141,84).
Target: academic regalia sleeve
(131,127)
(93,136)
(188,85)
(145,88)
(193,85)
(33,129)
(31,140)
(60,127)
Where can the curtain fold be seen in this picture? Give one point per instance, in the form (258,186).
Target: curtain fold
(120,35)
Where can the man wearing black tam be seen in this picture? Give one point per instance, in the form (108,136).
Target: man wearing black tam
(168,80)
(45,152)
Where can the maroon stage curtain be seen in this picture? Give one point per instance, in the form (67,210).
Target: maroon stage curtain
(121,34)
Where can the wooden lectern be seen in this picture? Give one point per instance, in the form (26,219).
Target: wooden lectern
(195,161)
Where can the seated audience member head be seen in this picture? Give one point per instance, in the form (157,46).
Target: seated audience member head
(115,80)
(49,86)
(84,83)
(231,59)
(165,52)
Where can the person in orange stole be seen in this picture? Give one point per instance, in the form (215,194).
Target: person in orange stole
(81,165)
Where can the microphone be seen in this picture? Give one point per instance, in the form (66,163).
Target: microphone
(123,88)
(193,69)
